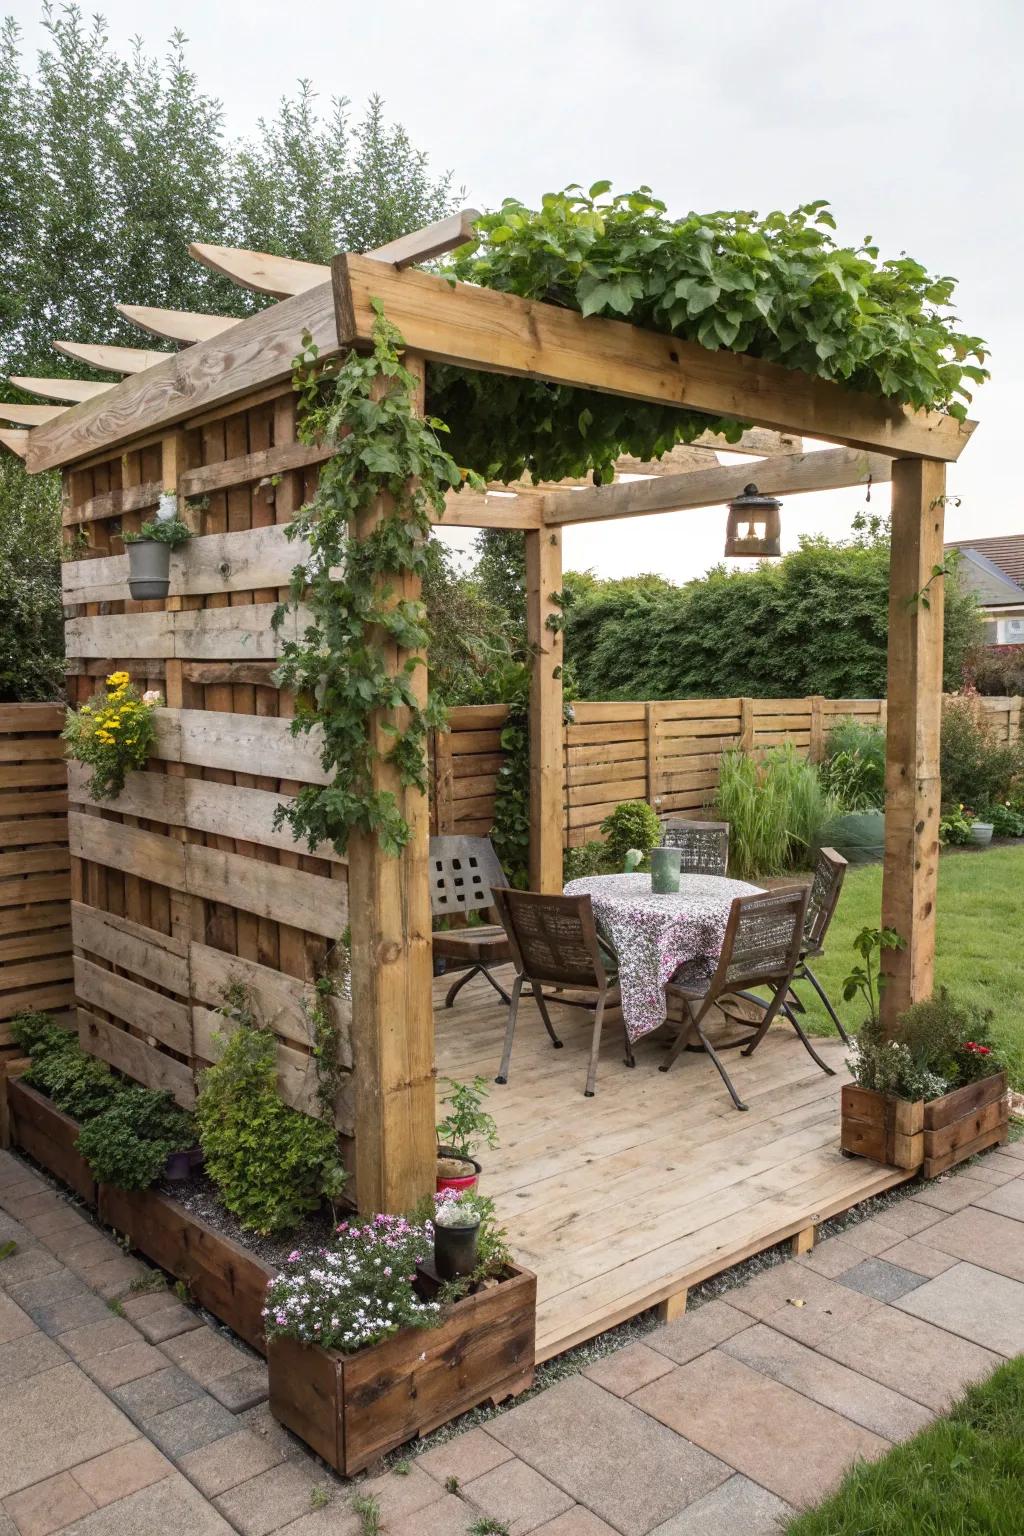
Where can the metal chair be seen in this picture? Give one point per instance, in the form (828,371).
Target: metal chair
(555,942)
(762,946)
(703,845)
(464,873)
(829,873)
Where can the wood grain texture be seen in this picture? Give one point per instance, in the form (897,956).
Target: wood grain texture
(912,787)
(49,1136)
(210,634)
(544,577)
(136,1058)
(225,562)
(502,333)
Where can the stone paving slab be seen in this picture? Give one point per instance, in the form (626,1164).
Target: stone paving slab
(468,1455)
(52,1421)
(856,1397)
(607,1454)
(121,1472)
(778,1438)
(518,1495)
(918,1256)
(48,1506)
(911,1356)
(1006,1200)
(735,1508)
(272,1498)
(629,1369)
(982,1237)
(977,1304)
(881,1279)
(224,1463)
(171,1507)
(190,1426)
(27,1355)
(697,1331)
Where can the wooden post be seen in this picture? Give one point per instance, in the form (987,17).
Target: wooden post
(816,748)
(544,577)
(914,717)
(392,1006)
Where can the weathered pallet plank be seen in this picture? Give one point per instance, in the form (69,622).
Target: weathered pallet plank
(142,1062)
(200,634)
(219,562)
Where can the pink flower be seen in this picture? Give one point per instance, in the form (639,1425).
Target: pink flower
(295,1254)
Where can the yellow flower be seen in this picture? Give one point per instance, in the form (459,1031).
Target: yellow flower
(118,679)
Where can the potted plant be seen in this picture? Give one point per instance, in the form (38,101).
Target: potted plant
(930,1095)
(466,1126)
(456,1235)
(982,828)
(149,550)
(956,826)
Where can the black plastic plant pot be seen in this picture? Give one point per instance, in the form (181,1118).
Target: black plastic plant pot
(455,1250)
(149,569)
(183,1165)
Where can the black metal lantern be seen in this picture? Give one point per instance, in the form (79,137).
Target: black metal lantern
(753,528)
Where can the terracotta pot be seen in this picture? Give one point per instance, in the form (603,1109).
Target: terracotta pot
(462,1183)
(149,569)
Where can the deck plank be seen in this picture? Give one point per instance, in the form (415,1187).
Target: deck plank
(657,1183)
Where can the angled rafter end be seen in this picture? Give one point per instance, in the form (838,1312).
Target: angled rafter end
(15,440)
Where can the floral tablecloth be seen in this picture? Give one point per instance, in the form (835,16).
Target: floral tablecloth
(653,935)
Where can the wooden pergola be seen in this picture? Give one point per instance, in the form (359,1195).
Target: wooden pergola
(166,401)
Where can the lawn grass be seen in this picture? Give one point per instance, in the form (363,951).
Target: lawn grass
(963,1476)
(979,948)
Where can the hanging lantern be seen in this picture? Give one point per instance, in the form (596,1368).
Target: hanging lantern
(753,528)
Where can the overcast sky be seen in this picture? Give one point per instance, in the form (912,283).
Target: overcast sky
(907,116)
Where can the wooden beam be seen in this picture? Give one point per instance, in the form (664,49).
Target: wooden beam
(502,333)
(389,913)
(184,384)
(433,240)
(473,509)
(111,359)
(282,277)
(827,470)
(543,579)
(15,441)
(914,718)
(176,324)
(30,415)
(70,390)
(757,441)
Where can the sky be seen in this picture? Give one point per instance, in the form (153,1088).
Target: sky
(906,116)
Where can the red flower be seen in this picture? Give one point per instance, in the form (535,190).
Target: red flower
(979,1050)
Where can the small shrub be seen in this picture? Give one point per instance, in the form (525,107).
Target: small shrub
(939,1045)
(76,1082)
(998,670)
(37,1035)
(588,859)
(467,1124)
(632,824)
(1006,821)
(976,769)
(271,1164)
(853,770)
(955,826)
(129,1143)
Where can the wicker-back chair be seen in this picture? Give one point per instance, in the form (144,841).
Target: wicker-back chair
(554,942)
(829,873)
(703,845)
(464,872)
(762,946)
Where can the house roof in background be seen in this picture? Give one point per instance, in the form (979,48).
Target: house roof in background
(1005,552)
(990,582)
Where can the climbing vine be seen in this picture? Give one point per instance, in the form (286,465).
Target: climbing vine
(387,461)
(777,287)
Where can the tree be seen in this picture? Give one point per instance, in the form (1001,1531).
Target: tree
(31,618)
(815,621)
(112,166)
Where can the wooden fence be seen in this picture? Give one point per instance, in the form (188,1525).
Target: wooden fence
(35,911)
(667,752)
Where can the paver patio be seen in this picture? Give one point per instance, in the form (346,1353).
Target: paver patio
(146,1419)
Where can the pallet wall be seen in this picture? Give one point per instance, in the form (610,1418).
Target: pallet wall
(35,883)
(183,884)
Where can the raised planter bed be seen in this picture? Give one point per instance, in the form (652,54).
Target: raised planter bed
(352,1408)
(48,1135)
(932,1136)
(221,1275)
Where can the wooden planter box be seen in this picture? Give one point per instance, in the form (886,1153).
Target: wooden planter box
(352,1408)
(221,1275)
(48,1135)
(911,1134)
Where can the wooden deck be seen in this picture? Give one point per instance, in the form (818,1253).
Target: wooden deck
(622,1201)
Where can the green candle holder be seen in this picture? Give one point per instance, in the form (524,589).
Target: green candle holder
(665,871)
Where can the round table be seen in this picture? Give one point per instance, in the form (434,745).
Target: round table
(654,935)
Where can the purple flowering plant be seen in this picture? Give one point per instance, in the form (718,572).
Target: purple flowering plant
(357,1291)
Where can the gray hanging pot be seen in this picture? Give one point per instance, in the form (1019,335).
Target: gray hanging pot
(149,568)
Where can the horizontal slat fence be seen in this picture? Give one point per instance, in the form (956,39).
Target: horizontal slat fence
(665,751)
(35,883)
